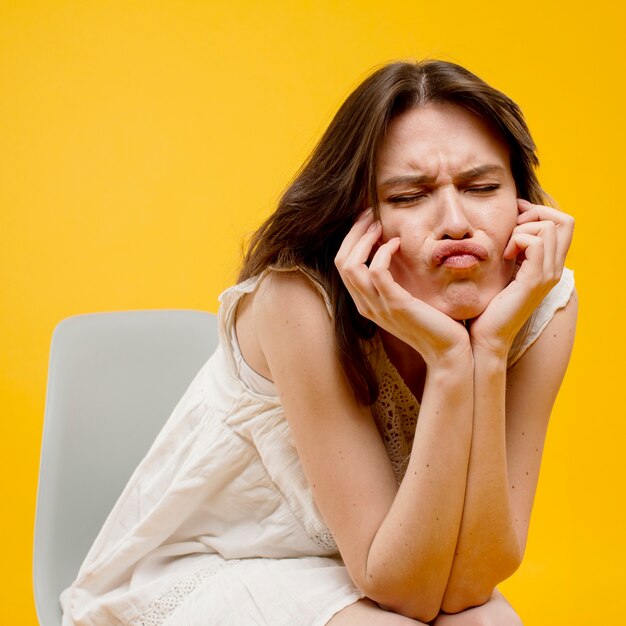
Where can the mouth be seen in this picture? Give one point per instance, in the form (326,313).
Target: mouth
(460,255)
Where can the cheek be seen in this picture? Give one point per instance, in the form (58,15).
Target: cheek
(410,254)
(390,226)
(504,225)
(405,224)
(410,268)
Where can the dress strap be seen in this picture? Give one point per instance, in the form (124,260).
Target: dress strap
(557,298)
(229,300)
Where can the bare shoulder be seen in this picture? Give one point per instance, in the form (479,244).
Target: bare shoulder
(550,353)
(285,307)
(544,364)
(285,295)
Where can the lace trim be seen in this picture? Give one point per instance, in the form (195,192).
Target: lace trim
(326,541)
(160,609)
(395,413)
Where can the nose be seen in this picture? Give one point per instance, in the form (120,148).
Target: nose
(453,220)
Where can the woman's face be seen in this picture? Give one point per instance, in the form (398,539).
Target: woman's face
(445,188)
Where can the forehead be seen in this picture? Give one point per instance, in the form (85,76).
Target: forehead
(439,139)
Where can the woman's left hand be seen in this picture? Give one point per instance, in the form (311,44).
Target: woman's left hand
(541,240)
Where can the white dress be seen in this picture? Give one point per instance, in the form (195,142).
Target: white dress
(217,525)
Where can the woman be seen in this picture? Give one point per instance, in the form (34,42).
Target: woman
(364,446)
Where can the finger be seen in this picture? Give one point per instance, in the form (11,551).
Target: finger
(552,267)
(536,212)
(564,223)
(363,284)
(362,290)
(531,248)
(547,231)
(354,266)
(381,276)
(351,264)
(512,249)
(359,228)
(361,251)
(382,257)
(395,302)
(531,272)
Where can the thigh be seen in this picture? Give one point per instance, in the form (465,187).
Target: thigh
(368,613)
(495,612)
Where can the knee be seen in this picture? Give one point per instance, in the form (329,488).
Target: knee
(508,618)
(490,614)
(365,612)
(393,619)
(387,618)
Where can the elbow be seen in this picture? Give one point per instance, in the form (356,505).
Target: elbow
(415,601)
(477,587)
(414,608)
(469,598)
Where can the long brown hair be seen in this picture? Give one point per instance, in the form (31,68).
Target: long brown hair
(338,181)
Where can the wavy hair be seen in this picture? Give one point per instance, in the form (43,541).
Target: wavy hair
(339,180)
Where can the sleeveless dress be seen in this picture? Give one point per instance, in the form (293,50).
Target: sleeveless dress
(217,525)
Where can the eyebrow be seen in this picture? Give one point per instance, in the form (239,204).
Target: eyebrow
(470,174)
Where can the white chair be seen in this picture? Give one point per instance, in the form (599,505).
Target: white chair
(113,380)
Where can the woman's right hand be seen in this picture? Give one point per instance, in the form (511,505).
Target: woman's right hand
(378,297)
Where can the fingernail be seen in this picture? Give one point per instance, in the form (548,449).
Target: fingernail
(373,226)
(365,214)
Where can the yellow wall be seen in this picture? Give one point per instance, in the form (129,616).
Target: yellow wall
(141,141)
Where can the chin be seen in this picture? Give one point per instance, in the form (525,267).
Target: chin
(464,303)
(464,312)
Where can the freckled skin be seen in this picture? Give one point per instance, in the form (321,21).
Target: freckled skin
(441,141)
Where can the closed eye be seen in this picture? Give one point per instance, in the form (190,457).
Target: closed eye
(484,188)
(407,199)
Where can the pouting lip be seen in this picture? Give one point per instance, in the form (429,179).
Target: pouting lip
(450,248)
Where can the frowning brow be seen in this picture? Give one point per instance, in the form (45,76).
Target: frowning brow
(424,179)
(477,172)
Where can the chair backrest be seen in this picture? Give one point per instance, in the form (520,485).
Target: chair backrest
(113,380)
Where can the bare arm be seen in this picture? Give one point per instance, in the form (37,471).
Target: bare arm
(397,549)
(511,414)
(397,543)
(487,549)
(505,461)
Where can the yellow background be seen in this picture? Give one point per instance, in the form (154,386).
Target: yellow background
(140,142)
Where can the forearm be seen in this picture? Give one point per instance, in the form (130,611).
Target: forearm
(488,548)
(410,557)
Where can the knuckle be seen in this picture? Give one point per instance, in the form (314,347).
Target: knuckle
(567,221)
(349,269)
(364,309)
(377,273)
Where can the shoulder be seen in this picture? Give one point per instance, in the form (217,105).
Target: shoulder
(289,291)
(546,360)
(560,303)
(557,338)
(285,315)
(558,334)
(291,303)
